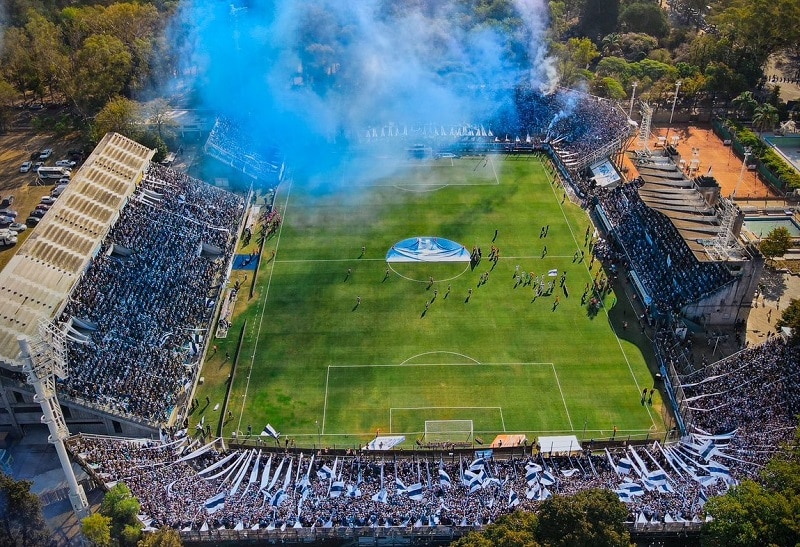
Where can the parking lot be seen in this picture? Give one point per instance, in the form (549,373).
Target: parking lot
(16,147)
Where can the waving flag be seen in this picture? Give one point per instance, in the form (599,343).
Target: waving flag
(324,473)
(416,492)
(444,478)
(381,496)
(531,476)
(547,478)
(215,503)
(513,500)
(337,489)
(624,466)
(269,431)
(401,488)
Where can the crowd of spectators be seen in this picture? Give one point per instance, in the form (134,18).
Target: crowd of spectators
(648,243)
(175,483)
(146,293)
(230,144)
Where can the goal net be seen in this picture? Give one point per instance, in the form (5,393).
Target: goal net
(448,431)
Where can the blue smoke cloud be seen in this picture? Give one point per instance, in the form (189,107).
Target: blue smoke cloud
(303,73)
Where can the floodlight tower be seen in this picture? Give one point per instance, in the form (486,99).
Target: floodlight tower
(43,359)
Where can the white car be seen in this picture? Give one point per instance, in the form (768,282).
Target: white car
(25,167)
(17,227)
(46,153)
(48,200)
(65,163)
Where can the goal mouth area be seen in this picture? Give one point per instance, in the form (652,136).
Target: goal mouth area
(427,249)
(448,431)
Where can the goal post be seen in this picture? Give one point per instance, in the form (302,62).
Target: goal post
(448,431)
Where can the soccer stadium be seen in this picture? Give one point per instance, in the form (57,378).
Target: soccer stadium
(431,335)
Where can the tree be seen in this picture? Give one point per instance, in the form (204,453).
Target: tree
(21,520)
(104,66)
(765,117)
(157,114)
(122,508)
(118,115)
(164,537)
(759,514)
(776,243)
(97,529)
(609,87)
(582,51)
(745,103)
(647,18)
(598,18)
(591,517)
(791,318)
(517,529)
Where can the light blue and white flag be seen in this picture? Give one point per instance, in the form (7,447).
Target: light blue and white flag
(401,488)
(513,500)
(444,478)
(547,478)
(416,492)
(215,503)
(269,431)
(337,489)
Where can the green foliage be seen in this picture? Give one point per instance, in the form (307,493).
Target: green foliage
(119,115)
(767,156)
(644,17)
(635,46)
(745,103)
(21,520)
(777,242)
(517,529)
(609,87)
(96,528)
(163,537)
(151,140)
(598,18)
(789,318)
(122,508)
(765,117)
(591,517)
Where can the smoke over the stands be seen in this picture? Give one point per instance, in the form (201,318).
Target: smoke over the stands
(297,73)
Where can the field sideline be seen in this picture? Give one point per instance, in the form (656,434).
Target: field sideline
(340,344)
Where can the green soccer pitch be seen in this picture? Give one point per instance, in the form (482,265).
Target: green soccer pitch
(335,348)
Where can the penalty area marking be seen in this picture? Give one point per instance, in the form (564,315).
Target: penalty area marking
(498,408)
(407,364)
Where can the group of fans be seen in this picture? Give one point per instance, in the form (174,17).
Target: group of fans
(648,243)
(733,434)
(148,295)
(230,144)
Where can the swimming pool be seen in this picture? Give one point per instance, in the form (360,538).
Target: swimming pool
(788,147)
(761,226)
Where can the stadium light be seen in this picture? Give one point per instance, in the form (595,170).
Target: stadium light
(747,152)
(674,100)
(633,96)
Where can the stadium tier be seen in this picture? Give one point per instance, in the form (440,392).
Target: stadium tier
(151,247)
(229,144)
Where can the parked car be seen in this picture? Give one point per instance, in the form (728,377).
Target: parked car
(8,201)
(17,227)
(32,221)
(48,200)
(8,237)
(46,153)
(38,213)
(43,207)
(26,166)
(64,180)
(58,190)
(66,163)
(37,165)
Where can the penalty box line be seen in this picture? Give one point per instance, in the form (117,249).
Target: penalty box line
(473,364)
(498,408)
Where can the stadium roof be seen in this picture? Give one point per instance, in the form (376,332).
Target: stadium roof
(667,190)
(40,276)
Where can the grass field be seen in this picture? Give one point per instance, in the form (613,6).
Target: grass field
(320,366)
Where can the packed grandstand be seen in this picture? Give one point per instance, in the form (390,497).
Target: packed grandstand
(147,298)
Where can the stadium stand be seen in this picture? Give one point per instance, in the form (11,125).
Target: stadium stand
(128,263)
(229,144)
